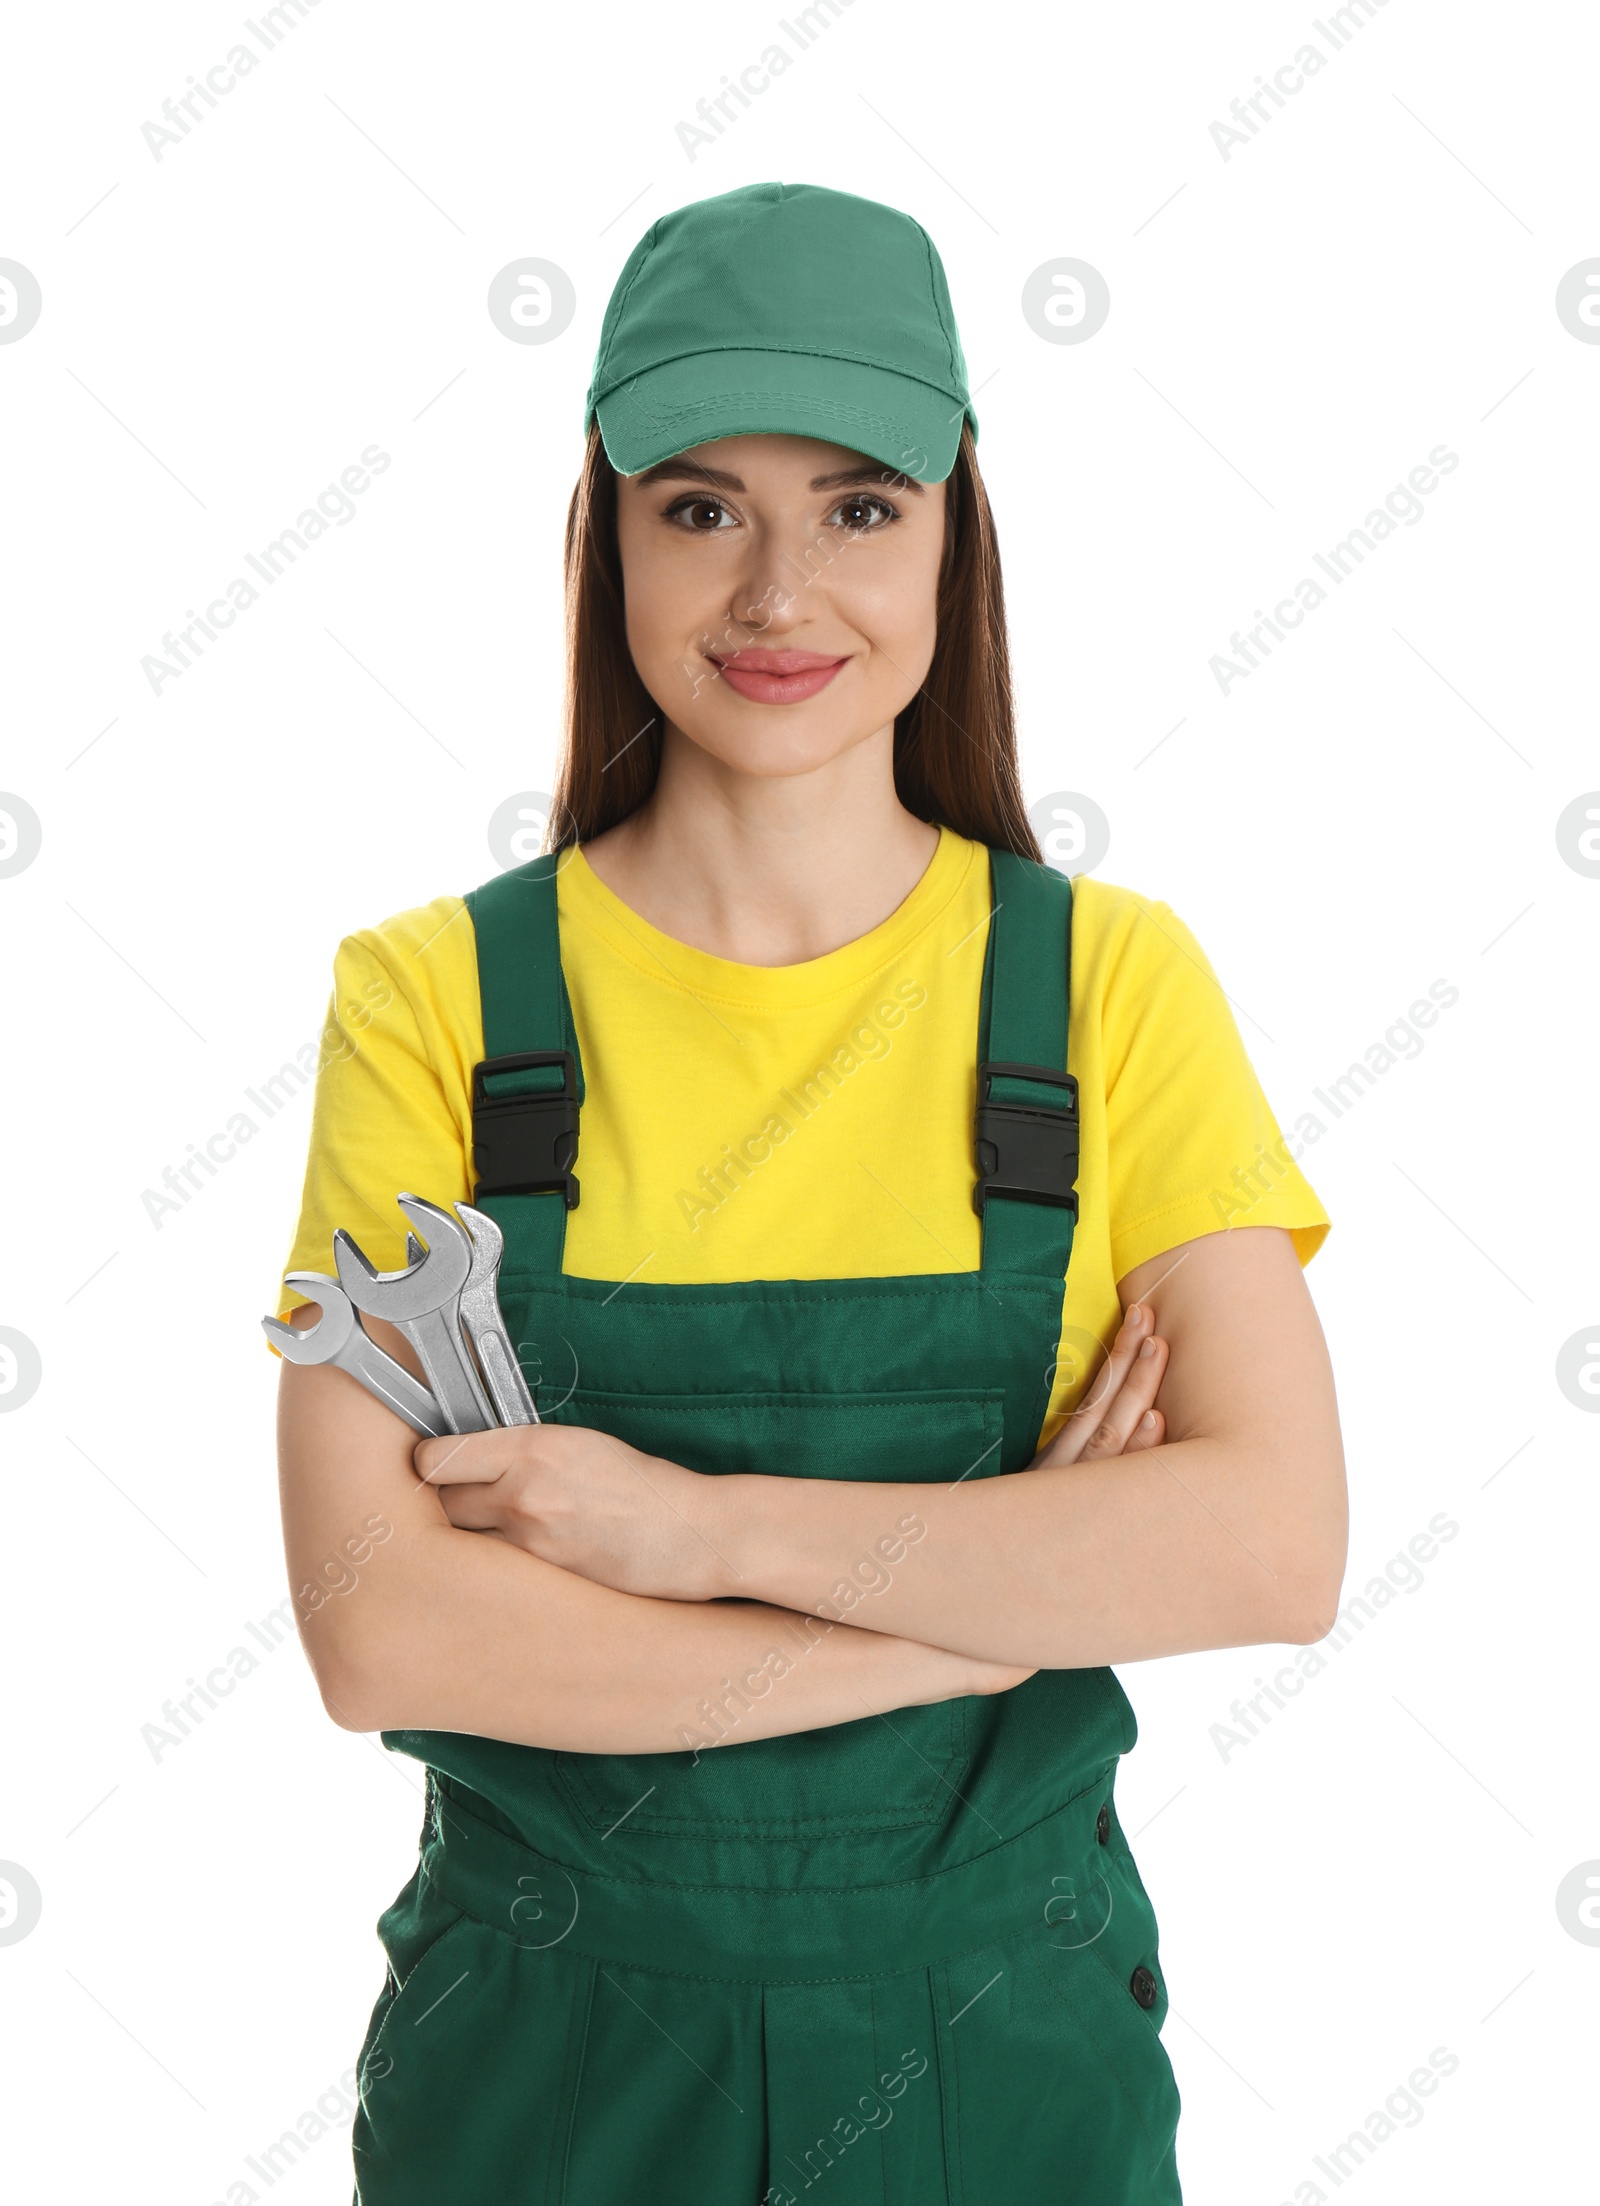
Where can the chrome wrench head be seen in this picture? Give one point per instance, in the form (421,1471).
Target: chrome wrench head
(488,1242)
(485,1327)
(432,1283)
(340,1339)
(424,1300)
(322,1342)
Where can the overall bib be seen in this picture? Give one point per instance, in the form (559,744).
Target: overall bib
(901,1961)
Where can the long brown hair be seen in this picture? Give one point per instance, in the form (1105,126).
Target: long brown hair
(955,747)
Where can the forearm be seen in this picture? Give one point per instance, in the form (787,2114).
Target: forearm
(1225,1526)
(1196,1544)
(410,1623)
(456,1631)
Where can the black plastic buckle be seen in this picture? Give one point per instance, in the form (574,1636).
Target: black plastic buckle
(1028,1152)
(526,1144)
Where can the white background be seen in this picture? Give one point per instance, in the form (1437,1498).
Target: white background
(1292,329)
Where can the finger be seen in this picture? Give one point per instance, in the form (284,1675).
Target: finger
(457,1457)
(1143,1382)
(1120,1418)
(1136,1395)
(472,1508)
(1148,1433)
(1074,1435)
(1137,1326)
(1107,1403)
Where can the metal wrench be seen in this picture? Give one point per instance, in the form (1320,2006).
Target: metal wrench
(339,1338)
(424,1302)
(485,1327)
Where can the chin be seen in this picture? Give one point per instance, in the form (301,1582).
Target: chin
(776,757)
(772,741)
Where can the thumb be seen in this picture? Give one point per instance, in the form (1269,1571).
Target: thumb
(457,1458)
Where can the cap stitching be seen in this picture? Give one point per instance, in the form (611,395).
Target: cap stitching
(828,408)
(811,352)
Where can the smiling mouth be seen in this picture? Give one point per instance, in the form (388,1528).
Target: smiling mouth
(776,662)
(777,677)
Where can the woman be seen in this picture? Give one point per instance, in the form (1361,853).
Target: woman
(770,1734)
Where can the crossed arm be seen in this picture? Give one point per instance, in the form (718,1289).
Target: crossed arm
(615,1589)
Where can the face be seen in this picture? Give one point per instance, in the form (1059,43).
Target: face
(780,596)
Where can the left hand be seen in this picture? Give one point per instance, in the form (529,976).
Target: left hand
(582,1500)
(1117,1415)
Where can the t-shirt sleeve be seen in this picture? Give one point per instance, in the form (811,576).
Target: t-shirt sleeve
(1193,1146)
(391,1111)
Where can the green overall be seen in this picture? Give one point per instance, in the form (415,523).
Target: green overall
(901,1961)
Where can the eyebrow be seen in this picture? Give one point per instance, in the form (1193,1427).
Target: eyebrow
(843,478)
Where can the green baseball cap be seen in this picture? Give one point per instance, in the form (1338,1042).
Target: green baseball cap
(782,307)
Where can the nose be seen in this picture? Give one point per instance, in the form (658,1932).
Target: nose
(781,580)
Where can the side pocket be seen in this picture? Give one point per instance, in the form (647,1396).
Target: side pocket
(468,2079)
(409,2102)
(411,1928)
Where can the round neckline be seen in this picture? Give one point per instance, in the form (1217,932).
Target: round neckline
(663,957)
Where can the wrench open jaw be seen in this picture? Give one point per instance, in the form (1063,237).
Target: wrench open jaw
(484,1326)
(339,1338)
(424,1301)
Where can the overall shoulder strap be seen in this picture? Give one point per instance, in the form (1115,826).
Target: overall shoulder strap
(1026,1136)
(528,1085)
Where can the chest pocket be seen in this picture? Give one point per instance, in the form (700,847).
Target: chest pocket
(881,1773)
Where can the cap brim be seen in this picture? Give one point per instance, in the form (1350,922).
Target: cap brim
(908,426)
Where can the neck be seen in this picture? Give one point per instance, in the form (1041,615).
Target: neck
(767,869)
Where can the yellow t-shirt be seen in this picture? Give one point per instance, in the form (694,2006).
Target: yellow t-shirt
(806,1121)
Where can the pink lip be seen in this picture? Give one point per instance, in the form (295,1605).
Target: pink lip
(776,677)
(776,662)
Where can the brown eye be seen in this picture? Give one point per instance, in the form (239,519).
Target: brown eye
(692,513)
(858,514)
